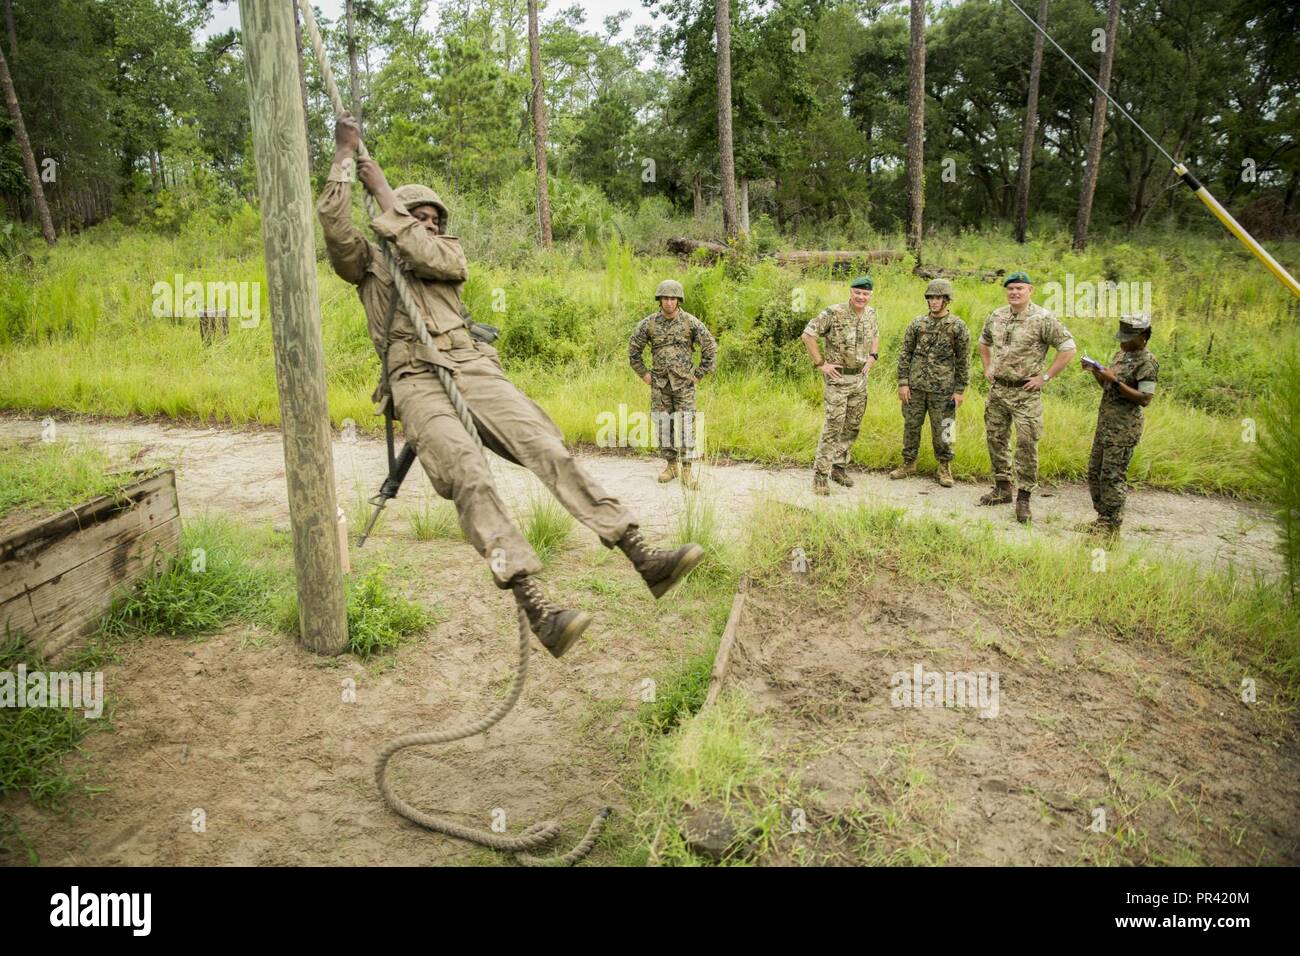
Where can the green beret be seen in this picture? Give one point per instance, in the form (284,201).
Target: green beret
(1017,277)
(862,282)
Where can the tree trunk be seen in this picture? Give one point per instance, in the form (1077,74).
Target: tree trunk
(353,72)
(744,205)
(29,159)
(539,126)
(727,163)
(280,152)
(9,25)
(1098,130)
(1031,128)
(916,131)
(697,198)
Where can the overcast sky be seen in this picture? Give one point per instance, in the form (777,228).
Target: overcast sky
(227,14)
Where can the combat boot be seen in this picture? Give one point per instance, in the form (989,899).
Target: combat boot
(840,476)
(669,472)
(1023,514)
(660,570)
(820,486)
(905,470)
(945,475)
(688,480)
(557,628)
(1000,495)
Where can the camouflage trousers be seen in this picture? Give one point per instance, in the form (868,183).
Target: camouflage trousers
(460,471)
(1107,477)
(846,403)
(672,409)
(943,422)
(1006,406)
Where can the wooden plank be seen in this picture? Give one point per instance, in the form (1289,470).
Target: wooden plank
(725,645)
(54,616)
(58,576)
(69,539)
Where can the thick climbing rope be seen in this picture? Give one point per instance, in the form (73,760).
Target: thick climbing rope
(539,834)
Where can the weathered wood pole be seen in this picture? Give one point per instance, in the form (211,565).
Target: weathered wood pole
(284,194)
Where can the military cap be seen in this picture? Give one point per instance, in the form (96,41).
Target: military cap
(672,289)
(939,287)
(1017,277)
(1132,325)
(862,282)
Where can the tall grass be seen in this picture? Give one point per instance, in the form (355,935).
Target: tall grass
(546,525)
(1279,453)
(54,475)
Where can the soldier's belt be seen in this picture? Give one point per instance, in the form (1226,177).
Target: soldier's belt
(1012,382)
(851,369)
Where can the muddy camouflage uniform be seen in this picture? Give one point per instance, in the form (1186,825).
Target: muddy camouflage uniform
(1018,345)
(436,270)
(1119,427)
(934,364)
(672,379)
(847,343)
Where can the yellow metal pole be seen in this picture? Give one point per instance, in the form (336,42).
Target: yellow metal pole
(1237,230)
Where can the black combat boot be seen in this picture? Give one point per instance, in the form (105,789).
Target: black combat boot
(1000,495)
(660,570)
(557,628)
(1023,514)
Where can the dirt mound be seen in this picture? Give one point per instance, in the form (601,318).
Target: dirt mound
(1032,751)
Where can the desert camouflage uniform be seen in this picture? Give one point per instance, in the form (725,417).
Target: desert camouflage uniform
(934,364)
(435,270)
(672,380)
(1018,345)
(1119,427)
(847,343)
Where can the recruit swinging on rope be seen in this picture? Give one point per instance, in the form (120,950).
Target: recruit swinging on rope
(413,219)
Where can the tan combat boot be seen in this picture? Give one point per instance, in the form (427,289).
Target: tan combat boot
(659,569)
(669,472)
(820,486)
(556,627)
(945,475)
(905,470)
(688,480)
(1023,514)
(1000,495)
(840,476)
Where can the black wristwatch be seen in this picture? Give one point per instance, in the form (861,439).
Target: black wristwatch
(876,356)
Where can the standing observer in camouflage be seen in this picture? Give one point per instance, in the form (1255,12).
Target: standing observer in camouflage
(1013,345)
(414,221)
(1127,386)
(933,371)
(673,335)
(852,339)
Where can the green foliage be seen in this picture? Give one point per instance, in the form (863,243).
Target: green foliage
(379,618)
(54,475)
(1279,451)
(547,526)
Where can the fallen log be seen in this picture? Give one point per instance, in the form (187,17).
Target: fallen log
(819,257)
(683,246)
(931,272)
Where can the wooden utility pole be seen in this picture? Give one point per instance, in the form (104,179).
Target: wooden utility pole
(1031,127)
(916,130)
(539,126)
(727,164)
(302,69)
(39,205)
(284,194)
(1098,131)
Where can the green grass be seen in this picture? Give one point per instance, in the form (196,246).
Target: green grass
(546,525)
(435,520)
(78,335)
(379,618)
(54,475)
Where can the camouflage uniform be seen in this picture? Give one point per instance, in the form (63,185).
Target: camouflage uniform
(1018,345)
(672,381)
(934,364)
(848,338)
(1119,426)
(436,270)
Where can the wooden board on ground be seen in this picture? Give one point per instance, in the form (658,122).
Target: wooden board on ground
(725,644)
(60,574)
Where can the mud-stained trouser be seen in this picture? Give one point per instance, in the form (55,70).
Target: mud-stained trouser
(943,419)
(1009,405)
(846,403)
(459,470)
